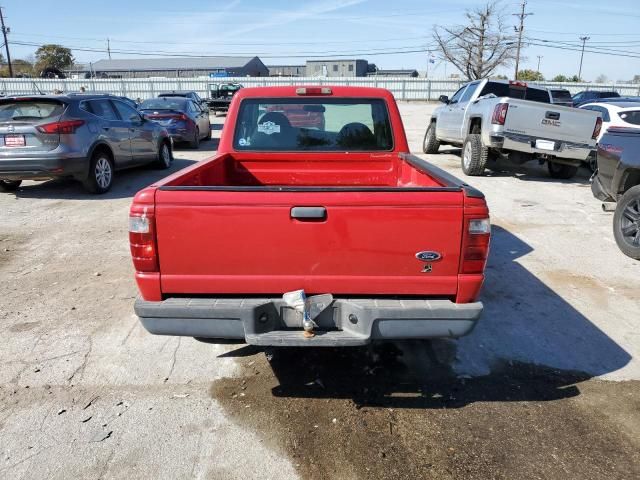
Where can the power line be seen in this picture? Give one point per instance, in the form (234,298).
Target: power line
(522,15)
(587,50)
(295,54)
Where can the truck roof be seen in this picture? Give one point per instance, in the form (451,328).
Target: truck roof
(292,91)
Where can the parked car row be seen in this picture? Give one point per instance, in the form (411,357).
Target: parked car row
(491,119)
(89,136)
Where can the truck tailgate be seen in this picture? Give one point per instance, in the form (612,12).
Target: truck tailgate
(548,121)
(226,242)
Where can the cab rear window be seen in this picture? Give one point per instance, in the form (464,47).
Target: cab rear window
(29,110)
(500,89)
(313,124)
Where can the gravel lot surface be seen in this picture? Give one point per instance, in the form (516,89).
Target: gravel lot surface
(547,386)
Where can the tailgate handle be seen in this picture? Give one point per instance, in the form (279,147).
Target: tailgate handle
(552,115)
(309,213)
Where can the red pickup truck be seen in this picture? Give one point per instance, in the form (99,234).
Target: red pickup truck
(400,244)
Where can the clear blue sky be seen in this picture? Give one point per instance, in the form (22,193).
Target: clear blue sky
(283,29)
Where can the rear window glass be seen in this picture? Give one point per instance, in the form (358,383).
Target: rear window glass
(29,110)
(561,94)
(313,124)
(164,103)
(500,89)
(632,117)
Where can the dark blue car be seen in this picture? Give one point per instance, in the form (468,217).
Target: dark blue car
(182,117)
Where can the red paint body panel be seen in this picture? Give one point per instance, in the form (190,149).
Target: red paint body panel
(224,226)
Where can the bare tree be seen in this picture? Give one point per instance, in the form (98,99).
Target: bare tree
(480,47)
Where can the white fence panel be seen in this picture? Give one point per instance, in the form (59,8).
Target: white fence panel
(402,88)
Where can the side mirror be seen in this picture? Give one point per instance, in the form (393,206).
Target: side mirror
(444,99)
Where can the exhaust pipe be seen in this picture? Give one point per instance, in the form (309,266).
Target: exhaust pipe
(608,206)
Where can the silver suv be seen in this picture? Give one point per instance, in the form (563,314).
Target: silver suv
(87,137)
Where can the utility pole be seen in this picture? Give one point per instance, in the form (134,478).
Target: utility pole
(519,31)
(584,41)
(108,48)
(5,30)
(539,58)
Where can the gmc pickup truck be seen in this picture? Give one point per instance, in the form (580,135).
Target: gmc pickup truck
(395,246)
(491,118)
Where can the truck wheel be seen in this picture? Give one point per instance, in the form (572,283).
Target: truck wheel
(195,143)
(430,144)
(100,178)
(474,155)
(165,156)
(9,185)
(561,171)
(626,223)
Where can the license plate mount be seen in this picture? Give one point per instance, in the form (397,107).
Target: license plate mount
(545,145)
(13,140)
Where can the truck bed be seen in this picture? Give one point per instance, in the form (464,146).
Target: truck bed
(296,170)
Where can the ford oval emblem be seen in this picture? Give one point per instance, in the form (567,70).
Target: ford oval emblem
(428,256)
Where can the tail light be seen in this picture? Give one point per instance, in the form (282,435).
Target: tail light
(500,113)
(313,91)
(142,240)
(64,127)
(172,116)
(517,84)
(597,128)
(475,248)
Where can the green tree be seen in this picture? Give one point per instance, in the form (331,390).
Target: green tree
(53,56)
(560,78)
(530,75)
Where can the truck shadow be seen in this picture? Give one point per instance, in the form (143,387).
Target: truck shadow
(530,345)
(528,172)
(126,183)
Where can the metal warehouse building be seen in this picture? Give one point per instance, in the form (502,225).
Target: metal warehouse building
(176,67)
(337,68)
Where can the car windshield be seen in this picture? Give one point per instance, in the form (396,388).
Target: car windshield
(630,116)
(15,110)
(561,94)
(164,103)
(313,124)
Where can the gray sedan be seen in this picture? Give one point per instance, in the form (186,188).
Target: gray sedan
(86,137)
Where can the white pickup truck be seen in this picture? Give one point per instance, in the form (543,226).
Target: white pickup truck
(491,118)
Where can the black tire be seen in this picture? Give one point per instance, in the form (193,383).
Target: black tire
(195,143)
(561,171)
(592,162)
(165,156)
(474,155)
(430,144)
(626,223)
(100,177)
(9,185)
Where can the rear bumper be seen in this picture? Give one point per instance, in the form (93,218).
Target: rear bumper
(526,144)
(270,322)
(42,167)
